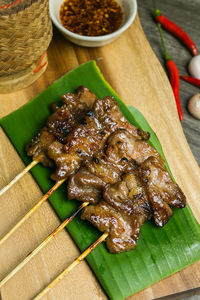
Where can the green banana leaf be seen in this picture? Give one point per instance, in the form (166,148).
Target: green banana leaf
(160,252)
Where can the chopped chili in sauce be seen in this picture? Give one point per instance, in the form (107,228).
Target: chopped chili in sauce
(91,17)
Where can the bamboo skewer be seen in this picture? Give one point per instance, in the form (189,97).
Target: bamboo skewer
(29,213)
(20,175)
(71,266)
(44,243)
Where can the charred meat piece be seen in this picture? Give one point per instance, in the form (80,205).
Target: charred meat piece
(60,123)
(136,188)
(122,212)
(66,163)
(117,159)
(82,143)
(108,113)
(87,139)
(82,97)
(123,230)
(99,166)
(85,186)
(122,144)
(71,113)
(128,196)
(161,190)
(37,148)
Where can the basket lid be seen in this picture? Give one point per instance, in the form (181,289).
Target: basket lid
(8,7)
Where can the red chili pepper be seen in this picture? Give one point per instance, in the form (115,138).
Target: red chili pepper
(174,79)
(173,75)
(191,80)
(176,31)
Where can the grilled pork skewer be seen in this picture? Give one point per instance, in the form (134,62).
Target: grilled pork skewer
(121,167)
(83,141)
(70,267)
(57,127)
(131,178)
(125,201)
(89,138)
(141,212)
(125,152)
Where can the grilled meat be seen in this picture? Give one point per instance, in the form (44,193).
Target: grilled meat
(161,190)
(122,212)
(82,143)
(117,158)
(60,124)
(123,229)
(89,138)
(85,186)
(88,183)
(128,195)
(135,186)
(37,148)
(122,144)
(111,164)
(109,115)
(71,113)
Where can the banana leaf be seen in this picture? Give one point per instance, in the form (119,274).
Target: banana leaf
(160,252)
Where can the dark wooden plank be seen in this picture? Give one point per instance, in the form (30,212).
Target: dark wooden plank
(185,14)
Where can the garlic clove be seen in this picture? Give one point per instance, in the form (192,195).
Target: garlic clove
(194,106)
(194,66)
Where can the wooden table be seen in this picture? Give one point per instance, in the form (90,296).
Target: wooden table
(185,14)
(133,84)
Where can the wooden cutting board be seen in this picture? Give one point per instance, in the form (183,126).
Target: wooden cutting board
(134,72)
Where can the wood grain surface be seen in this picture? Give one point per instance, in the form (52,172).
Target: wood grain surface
(134,72)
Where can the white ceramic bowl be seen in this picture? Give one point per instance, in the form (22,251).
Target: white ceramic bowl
(129,8)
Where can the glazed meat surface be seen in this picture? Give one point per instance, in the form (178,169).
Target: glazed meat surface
(122,212)
(85,186)
(99,172)
(117,158)
(38,146)
(89,138)
(109,115)
(110,164)
(71,113)
(123,144)
(60,123)
(136,186)
(123,230)
(161,190)
(100,166)
(128,195)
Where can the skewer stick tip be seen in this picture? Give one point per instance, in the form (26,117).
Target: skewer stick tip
(20,175)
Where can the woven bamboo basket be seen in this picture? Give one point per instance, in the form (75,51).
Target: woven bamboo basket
(25,34)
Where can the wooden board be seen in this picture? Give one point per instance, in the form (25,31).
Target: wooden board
(132,69)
